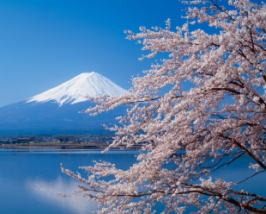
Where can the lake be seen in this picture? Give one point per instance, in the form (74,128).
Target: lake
(32,182)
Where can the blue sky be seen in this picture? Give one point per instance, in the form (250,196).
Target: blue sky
(46,42)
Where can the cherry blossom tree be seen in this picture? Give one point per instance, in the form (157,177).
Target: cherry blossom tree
(198,110)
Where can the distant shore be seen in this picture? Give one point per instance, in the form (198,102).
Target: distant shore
(67,146)
(50,146)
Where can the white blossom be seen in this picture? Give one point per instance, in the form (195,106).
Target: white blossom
(197,111)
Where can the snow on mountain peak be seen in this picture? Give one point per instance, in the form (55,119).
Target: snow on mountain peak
(80,88)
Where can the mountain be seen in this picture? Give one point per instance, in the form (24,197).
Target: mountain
(80,89)
(57,110)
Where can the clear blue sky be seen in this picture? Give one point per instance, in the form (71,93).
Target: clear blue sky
(46,42)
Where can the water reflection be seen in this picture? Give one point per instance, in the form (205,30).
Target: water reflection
(63,193)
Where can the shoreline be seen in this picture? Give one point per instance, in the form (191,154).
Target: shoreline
(65,147)
(51,146)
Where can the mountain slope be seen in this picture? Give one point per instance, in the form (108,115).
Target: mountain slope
(57,111)
(79,89)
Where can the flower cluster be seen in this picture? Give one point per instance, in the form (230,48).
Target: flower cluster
(200,109)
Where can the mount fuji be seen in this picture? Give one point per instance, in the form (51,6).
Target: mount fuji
(57,110)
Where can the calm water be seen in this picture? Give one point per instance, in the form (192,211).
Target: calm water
(32,183)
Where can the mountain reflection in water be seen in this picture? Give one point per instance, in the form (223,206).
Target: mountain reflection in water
(65,194)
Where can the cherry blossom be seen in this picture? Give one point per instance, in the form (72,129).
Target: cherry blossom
(198,110)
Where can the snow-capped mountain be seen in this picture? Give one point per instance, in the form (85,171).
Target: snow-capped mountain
(79,89)
(57,111)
